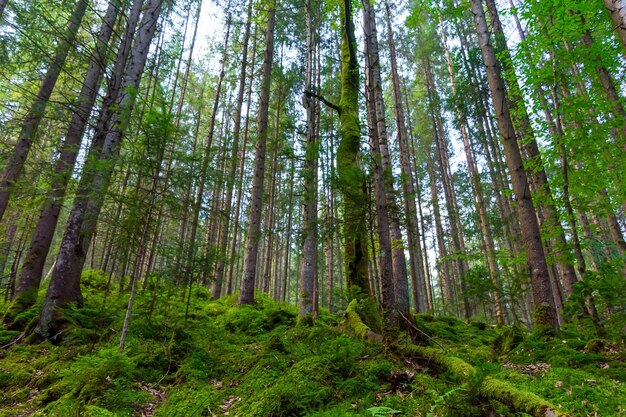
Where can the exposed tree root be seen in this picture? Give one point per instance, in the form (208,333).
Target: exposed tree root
(488,387)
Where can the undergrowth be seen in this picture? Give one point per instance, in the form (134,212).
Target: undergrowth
(259,361)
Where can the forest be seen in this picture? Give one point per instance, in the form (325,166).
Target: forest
(313,208)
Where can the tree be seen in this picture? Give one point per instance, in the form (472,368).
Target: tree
(545,310)
(308,266)
(32,268)
(349,173)
(617,10)
(246,295)
(37,108)
(65,283)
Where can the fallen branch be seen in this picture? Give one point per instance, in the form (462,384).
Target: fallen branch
(489,387)
(422,332)
(14,341)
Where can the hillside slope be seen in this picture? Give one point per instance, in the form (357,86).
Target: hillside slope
(258,361)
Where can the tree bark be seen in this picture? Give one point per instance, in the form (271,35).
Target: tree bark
(65,284)
(550,218)
(308,266)
(420,296)
(34,261)
(617,10)
(246,295)
(545,310)
(388,298)
(400,274)
(349,174)
(36,111)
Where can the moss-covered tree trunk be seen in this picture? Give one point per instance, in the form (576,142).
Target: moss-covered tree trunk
(348,170)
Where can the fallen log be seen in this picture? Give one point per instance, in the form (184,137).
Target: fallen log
(490,388)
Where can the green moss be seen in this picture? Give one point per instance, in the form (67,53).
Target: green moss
(508,338)
(20,311)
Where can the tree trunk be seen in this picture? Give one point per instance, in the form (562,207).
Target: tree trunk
(65,284)
(32,268)
(36,111)
(494,272)
(420,297)
(204,166)
(223,239)
(246,295)
(545,311)
(308,266)
(617,10)
(538,174)
(388,298)
(349,174)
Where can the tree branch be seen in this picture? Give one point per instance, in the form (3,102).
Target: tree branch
(323,100)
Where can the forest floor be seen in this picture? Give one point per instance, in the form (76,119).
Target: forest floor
(223,360)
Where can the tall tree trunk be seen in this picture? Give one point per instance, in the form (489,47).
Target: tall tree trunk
(36,111)
(388,298)
(545,310)
(400,274)
(308,266)
(287,265)
(445,278)
(246,295)
(443,157)
(349,173)
(35,259)
(242,158)
(65,284)
(230,180)
(420,296)
(537,171)
(494,272)
(206,158)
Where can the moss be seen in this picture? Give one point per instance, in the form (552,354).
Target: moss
(596,345)
(543,326)
(20,313)
(361,330)
(507,339)
(351,179)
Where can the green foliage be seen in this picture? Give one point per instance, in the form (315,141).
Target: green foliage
(258,361)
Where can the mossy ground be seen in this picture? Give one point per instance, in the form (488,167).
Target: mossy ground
(258,361)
